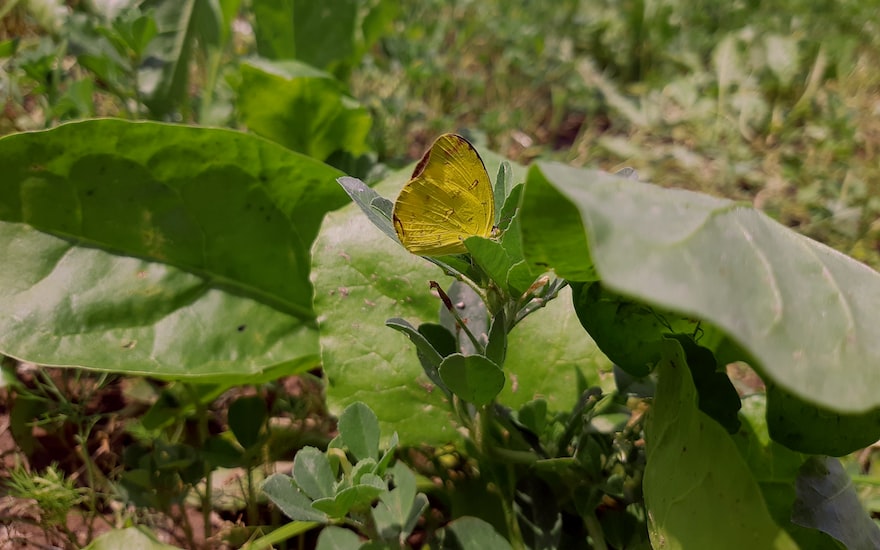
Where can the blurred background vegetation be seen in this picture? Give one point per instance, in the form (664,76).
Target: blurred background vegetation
(775,103)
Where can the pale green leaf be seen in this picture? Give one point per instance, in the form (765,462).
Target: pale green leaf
(159,249)
(698,489)
(805,313)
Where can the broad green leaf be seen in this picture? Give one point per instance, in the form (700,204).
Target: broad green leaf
(393,511)
(362,278)
(716,395)
(491,256)
(355,499)
(163,76)
(470,533)
(631,334)
(698,489)
(827,501)
(324,32)
(131,538)
(312,473)
(321,34)
(302,108)
(440,339)
(246,418)
(337,538)
(359,429)
(805,313)
(291,501)
(536,368)
(776,469)
(274,29)
(159,249)
(551,231)
(473,378)
(808,428)
(429,357)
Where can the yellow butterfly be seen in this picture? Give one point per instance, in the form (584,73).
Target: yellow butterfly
(448,199)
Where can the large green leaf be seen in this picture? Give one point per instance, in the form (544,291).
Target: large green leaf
(805,314)
(777,471)
(828,501)
(699,491)
(159,249)
(274,30)
(131,538)
(301,108)
(363,278)
(318,33)
(163,76)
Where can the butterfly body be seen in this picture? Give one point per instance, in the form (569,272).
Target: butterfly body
(448,199)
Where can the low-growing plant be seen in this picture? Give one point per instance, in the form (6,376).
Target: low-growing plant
(562,222)
(661,280)
(54,493)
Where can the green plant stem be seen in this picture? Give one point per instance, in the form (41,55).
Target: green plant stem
(252,512)
(537,303)
(448,270)
(213,69)
(594,528)
(483,445)
(477,345)
(92,472)
(204,433)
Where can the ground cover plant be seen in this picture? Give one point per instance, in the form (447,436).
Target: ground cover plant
(187,309)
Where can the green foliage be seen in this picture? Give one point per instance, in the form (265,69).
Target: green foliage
(331,36)
(692,455)
(726,264)
(304,109)
(169,227)
(130,537)
(55,493)
(326,488)
(188,254)
(170,62)
(363,280)
(695,257)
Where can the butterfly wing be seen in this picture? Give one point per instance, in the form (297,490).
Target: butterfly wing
(448,199)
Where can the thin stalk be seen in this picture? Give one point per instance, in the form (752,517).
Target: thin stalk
(253,514)
(459,276)
(482,441)
(477,345)
(450,307)
(213,68)
(594,528)
(204,434)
